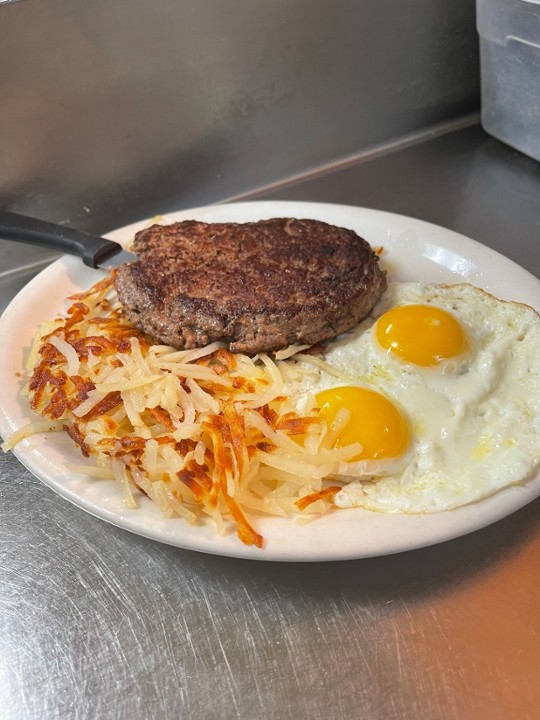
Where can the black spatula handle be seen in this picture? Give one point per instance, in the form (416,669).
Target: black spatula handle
(91,248)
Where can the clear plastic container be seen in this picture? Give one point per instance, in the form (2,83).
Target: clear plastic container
(510,68)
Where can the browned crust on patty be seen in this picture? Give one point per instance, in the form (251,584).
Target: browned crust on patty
(258,286)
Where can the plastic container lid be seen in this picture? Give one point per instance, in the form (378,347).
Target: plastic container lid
(502,20)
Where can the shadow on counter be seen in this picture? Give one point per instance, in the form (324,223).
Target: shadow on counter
(409,574)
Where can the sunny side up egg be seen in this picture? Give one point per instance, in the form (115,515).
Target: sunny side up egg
(441,388)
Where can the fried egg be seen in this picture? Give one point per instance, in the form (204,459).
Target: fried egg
(441,389)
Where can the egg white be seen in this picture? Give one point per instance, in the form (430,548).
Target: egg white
(475,419)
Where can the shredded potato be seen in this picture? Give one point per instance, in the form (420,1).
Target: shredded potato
(200,432)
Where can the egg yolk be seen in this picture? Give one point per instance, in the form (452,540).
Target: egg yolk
(420,334)
(374,422)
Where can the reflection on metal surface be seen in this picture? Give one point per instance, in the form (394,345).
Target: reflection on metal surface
(99,623)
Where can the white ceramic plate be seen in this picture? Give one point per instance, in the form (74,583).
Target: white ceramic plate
(414,250)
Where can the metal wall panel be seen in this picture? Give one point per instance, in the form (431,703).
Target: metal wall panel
(112,111)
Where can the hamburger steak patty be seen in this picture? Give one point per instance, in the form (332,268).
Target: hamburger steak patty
(258,286)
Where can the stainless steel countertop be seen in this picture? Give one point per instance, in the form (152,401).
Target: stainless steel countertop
(99,623)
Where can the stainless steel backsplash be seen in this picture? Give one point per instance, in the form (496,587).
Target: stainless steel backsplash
(112,111)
